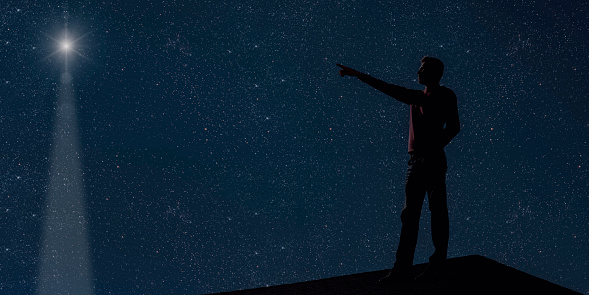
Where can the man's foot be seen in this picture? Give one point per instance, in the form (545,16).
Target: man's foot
(431,272)
(398,276)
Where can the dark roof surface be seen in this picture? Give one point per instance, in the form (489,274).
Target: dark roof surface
(463,275)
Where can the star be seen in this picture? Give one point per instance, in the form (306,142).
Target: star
(66,45)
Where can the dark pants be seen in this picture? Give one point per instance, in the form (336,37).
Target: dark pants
(425,174)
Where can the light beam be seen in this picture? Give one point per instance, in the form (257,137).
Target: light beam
(65,266)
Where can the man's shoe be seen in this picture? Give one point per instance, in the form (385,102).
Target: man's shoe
(432,272)
(398,276)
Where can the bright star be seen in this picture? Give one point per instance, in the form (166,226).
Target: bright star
(66,45)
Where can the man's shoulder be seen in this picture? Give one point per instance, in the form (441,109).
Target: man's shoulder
(447,93)
(446,89)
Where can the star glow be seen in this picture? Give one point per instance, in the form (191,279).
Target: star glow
(66,45)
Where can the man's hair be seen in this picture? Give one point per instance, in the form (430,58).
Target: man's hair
(436,65)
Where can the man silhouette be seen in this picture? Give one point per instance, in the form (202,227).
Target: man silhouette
(433,122)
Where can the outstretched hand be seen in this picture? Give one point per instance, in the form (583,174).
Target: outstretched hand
(347,71)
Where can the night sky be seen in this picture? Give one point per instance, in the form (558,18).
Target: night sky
(219,149)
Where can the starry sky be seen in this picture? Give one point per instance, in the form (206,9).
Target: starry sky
(220,149)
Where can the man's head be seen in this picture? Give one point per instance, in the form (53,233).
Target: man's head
(431,71)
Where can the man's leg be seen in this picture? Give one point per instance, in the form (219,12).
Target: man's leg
(436,192)
(414,195)
(439,209)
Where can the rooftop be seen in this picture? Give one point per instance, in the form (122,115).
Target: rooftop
(463,275)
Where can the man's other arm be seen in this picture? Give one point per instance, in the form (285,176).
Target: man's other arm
(452,121)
